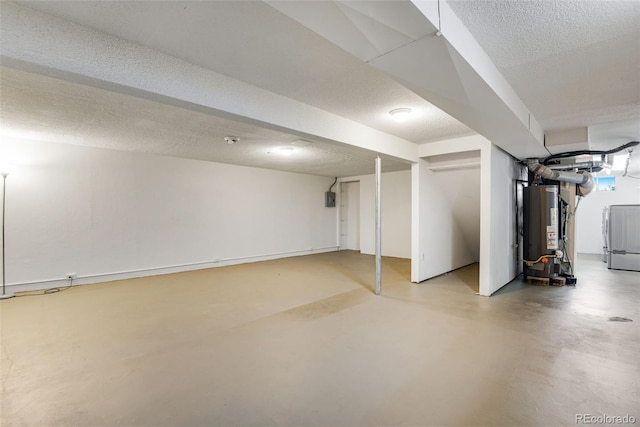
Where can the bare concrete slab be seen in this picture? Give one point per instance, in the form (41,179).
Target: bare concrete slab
(304,341)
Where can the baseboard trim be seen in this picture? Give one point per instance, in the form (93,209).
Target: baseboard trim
(156,271)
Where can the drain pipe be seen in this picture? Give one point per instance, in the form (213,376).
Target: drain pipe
(582,179)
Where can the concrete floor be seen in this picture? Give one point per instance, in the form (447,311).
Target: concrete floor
(303,341)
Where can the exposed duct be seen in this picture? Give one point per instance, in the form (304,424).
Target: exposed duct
(593,166)
(582,179)
(588,152)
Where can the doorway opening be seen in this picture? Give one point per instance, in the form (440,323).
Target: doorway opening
(350,215)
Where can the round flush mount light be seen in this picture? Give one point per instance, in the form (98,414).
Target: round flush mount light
(286,151)
(231,139)
(400,114)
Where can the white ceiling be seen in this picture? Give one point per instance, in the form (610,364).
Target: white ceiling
(48,109)
(254,43)
(572,62)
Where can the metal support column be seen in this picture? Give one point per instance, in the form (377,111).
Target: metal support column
(378,228)
(4,199)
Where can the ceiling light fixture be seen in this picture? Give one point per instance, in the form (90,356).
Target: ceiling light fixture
(286,151)
(400,114)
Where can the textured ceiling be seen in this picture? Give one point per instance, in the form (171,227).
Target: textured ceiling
(255,43)
(573,62)
(43,108)
(366,29)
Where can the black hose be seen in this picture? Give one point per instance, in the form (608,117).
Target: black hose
(334,183)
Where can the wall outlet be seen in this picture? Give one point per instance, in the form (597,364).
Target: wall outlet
(72,276)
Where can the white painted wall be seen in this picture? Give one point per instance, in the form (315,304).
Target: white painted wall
(498,251)
(444,247)
(589,214)
(461,190)
(100,212)
(396,213)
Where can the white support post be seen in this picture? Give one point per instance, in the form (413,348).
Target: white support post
(378,228)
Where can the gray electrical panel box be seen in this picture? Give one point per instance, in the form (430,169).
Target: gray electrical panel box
(330,199)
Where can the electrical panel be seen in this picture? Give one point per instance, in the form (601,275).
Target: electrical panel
(330,199)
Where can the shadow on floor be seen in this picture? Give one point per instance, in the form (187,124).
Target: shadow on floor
(516,285)
(400,266)
(469,275)
(364,274)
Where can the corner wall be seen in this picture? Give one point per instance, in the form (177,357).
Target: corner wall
(461,191)
(444,246)
(108,215)
(498,235)
(396,213)
(498,170)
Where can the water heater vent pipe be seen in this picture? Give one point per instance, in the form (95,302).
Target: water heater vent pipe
(582,179)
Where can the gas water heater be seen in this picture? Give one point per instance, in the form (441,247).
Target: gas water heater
(540,241)
(549,203)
